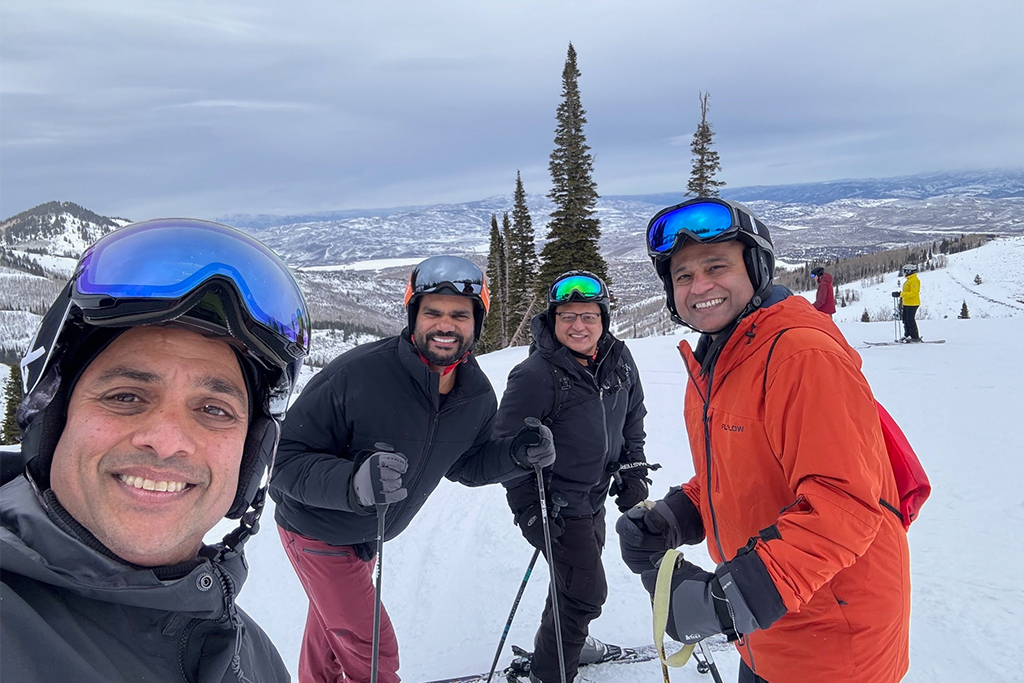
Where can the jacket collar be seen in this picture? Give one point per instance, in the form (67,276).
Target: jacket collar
(37,545)
(780,312)
(469,380)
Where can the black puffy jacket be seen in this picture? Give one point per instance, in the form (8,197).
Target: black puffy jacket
(382,392)
(73,613)
(596,418)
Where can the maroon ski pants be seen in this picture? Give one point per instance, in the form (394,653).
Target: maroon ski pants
(337,645)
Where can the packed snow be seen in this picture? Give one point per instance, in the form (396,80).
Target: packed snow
(450,579)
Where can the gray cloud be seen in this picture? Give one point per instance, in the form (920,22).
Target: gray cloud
(143,109)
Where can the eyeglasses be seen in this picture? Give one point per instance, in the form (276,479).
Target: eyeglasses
(167,259)
(701,220)
(577,288)
(448,274)
(587,318)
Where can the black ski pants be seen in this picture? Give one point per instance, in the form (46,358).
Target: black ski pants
(582,590)
(910,322)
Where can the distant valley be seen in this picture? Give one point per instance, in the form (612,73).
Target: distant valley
(815,221)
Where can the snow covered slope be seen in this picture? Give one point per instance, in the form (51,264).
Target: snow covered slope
(999,264)
(450,579)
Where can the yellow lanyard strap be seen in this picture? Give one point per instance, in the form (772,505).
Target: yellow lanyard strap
(662,596)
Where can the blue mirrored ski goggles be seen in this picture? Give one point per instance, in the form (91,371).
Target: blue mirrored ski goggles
(701,220)
(168,259)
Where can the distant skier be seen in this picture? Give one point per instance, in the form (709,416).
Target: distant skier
(825,301)
(378,428)
(910,297)
(582,382)
(799,505)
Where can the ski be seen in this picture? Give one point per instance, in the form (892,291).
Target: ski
(897,343)
(519,670)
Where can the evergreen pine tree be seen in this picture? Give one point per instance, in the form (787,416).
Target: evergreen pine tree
(574,230)
(495,334)
(705,160)
(977,279)
(12,395)
(865,318)
(522,268)
(964,313)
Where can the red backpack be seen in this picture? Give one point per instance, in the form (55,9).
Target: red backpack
(912,483)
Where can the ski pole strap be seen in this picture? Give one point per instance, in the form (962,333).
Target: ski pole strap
(662,596)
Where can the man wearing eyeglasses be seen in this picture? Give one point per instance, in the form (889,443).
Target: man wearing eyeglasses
(799,505)
(373,434)
(583,383)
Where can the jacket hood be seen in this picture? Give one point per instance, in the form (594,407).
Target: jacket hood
(762,326)
(35,544)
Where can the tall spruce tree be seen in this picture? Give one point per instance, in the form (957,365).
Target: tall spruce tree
(495,333)
(522,265)
(574,230)
(705,160)
(12,395)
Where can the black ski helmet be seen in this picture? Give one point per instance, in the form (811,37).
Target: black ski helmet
(579,286)
(708,220)
(452,275)
(195,273)
(817,272)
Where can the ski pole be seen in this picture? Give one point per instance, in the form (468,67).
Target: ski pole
(710,661)
(515,606)
(382,509)
(896,313)
(556,503)
(534,424)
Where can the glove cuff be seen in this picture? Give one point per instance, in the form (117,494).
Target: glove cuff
(755,601)
(685,524)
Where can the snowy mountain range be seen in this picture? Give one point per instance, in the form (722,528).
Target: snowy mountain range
(813,220)
(352,264)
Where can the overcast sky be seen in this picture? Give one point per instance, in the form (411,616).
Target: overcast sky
(141,108)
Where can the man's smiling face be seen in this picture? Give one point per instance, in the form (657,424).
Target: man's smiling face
(444,328)
(710,284)
(149,457)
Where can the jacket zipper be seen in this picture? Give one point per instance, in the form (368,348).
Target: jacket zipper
(235,621)
(186,635)
(707,465)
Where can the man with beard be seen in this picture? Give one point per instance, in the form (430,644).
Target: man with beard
(378,428)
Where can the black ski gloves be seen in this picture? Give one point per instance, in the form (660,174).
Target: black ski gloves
(531,525)
(645,533)
(738,599)
(378,481)
(629,489)
(524,501)
(533,447)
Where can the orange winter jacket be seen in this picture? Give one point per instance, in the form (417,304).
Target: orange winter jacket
(798,452)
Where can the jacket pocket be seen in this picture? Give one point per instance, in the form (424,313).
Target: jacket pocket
(327,553)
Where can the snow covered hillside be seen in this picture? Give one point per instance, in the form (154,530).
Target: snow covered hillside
(999,265)
(450,579)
